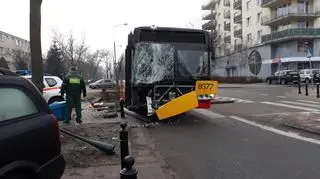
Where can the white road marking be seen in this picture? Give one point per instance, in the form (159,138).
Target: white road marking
(306,101)
(235,99)
(277,131)
(263,94)
(208,113)
(302,104)
(242,100)
(290,106)
(281,96)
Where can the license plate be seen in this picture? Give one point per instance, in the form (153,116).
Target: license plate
(206,87)
(295,76)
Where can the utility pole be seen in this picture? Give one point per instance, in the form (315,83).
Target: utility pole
(35,43)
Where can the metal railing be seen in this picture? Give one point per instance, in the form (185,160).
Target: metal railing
(209,25)
(264,2)
(227,39)
(237,19)
(292,11)
(210,4)
(291,33)
(209,16)
(227,26)
(237,4)
(238,33)
(227,14)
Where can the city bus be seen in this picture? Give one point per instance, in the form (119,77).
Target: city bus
(161,64)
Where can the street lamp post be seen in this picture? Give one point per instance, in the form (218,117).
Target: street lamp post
(115,51)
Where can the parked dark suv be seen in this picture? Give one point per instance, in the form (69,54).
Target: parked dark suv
(284,77)
(30,145)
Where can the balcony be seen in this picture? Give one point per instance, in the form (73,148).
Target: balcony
(209,25)
(209,16)
(227,14)
(238,33)
(237,5)
(227,39)
(291,34)
(273,3)
(227,26)
(292,14)
(210,5)
(226,3)
(237,19)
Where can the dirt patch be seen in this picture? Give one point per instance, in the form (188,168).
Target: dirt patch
(80,154)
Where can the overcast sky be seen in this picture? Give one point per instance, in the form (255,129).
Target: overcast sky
(95,19)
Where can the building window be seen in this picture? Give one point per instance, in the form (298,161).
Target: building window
(259,17)
(301,24)
(248,21)
(248,5)
(249,37)
(259,33)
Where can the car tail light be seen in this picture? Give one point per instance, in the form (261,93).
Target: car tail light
(56,129)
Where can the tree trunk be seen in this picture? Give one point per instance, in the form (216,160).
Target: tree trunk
(35,43)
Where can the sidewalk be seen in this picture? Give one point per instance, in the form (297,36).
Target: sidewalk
(90,163)
(312,93)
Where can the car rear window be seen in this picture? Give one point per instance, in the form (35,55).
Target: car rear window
(14,104)
(51,82)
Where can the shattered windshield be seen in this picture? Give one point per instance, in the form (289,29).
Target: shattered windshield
(152,62)
(155,62)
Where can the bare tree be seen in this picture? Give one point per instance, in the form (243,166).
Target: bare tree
(94,61)
(35,43)
(73,53)
(101,55)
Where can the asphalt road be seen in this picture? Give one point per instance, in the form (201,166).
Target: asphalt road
(215,144)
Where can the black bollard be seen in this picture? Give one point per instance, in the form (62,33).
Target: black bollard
(128,172)
(307,89)
(122,108)
(124,146)
(318,95)
(299,86)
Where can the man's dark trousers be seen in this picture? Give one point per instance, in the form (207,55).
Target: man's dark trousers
(73,101)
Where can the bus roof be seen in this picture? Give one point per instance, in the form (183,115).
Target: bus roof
(170,29)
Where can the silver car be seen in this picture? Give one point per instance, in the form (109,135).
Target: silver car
(106,83)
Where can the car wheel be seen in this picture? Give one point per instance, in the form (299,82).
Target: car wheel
(283,81)
(55,99)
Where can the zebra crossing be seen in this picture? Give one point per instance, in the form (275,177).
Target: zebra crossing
(305,105)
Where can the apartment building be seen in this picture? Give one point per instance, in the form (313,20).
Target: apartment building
(11,47)
(264,35)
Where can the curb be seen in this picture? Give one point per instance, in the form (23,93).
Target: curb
(222,102)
